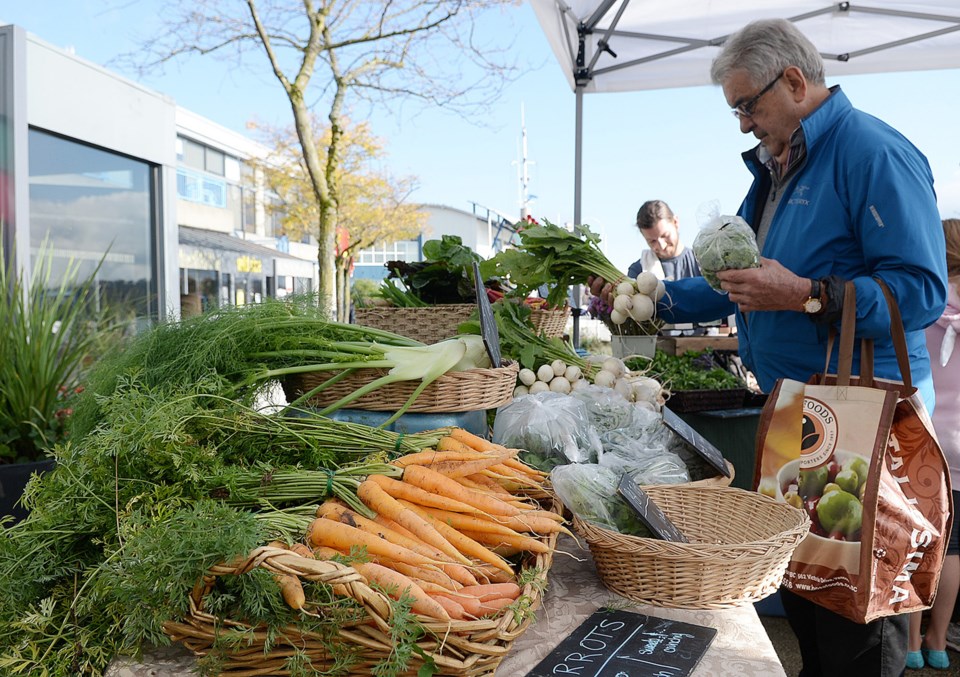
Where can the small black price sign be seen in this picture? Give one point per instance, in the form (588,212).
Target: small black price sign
(648,511)
(700,444)
(628,644)
(488,323)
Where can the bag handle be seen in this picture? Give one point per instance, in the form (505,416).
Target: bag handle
(847,331)
(899,337)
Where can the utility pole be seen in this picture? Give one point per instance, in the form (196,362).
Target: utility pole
(522,164)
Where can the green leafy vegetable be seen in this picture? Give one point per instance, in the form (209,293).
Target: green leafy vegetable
(444,276)
(691,371)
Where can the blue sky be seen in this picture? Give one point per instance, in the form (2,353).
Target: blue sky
(679,145)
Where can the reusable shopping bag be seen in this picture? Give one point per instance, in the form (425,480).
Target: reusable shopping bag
(860,456)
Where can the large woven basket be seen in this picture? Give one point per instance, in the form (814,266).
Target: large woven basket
(459,648)
(427,324)
(740,545)
(470,390)
(550,323)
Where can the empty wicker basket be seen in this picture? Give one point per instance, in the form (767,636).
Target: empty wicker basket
(550,323)
(741,543)
(427,324)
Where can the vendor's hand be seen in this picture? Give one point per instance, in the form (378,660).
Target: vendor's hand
(769,287)
(600,287)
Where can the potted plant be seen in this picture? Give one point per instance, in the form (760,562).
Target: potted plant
(46,336)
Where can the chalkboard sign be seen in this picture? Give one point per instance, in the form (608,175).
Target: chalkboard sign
(627,644)
(699,443)
(488,323)
(648,511)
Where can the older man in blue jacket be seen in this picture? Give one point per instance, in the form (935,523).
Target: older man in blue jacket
(837,195)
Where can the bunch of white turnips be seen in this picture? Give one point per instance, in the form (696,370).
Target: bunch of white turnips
(560,377)
(637,299)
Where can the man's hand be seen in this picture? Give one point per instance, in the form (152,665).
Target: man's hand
(600,287)
(769,287)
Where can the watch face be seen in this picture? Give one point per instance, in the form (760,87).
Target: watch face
(812,306)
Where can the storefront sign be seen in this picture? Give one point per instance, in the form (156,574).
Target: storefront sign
(627,644)
(249,264)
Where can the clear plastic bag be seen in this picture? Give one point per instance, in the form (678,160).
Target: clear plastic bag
(647,463)
(608,410)
(724,242)
(551,428)
(589,491)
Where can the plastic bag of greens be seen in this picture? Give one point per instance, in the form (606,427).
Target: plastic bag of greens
(550,428)
(724,242)
(607,409)
(647,464)
(590,492)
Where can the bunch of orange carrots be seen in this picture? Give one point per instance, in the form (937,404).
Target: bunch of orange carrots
(443,530)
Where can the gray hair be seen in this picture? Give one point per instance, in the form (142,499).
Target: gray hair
(767,47)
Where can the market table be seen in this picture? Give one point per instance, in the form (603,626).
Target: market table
(740,648)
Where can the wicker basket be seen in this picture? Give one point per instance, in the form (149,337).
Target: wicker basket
(719,480)
(458,648)
(550,323)
(470,390)
(741,543)
(427,324)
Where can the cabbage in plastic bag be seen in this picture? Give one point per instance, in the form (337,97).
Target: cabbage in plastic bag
(589,491)
(725,242)
(550,428)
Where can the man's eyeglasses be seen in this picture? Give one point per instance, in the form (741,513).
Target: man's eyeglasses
(745,109)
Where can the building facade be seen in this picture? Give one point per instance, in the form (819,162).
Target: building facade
(102,170)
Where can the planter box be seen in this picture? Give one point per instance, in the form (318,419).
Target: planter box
(626,346)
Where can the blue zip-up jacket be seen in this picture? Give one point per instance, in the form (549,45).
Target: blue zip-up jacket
(861,206)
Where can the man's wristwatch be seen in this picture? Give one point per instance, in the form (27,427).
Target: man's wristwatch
(813,304)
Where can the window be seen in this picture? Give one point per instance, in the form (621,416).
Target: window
(404,250)
(92,204)
(192,155)
(203,189)
(215,161)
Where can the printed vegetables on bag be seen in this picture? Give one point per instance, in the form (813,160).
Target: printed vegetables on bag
(724,243)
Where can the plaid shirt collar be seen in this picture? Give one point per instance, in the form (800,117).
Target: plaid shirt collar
(795,156)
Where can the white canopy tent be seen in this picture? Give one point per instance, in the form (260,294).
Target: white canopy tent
(619,45)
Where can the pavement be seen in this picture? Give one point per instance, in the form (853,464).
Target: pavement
(785,644)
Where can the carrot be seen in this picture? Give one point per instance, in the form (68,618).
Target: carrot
(342,537)
(471,605)
(338,512)
(450,606)
(292,590)
(488,484)
(378,500)
(393,526)
(465,544)
(430,456)
(461,468)
(301,550)
(492,591)
(415,494)
(520,466)
(435,482)
(470,440)
(451,443)
(426,575)
(492,574)
(396,585)
(518,541)
(460,521)
(533,521)
(492,606)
